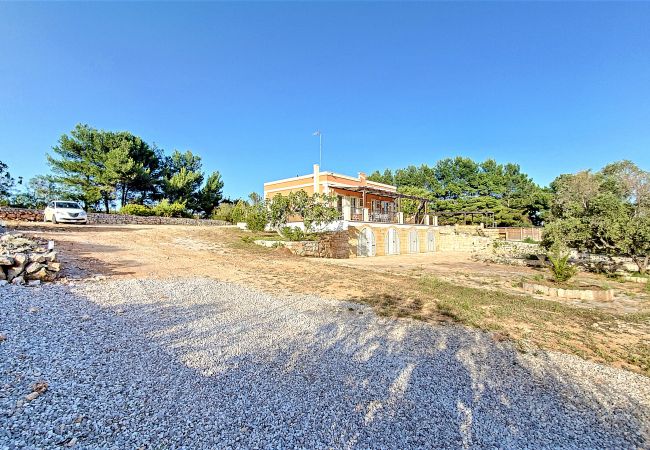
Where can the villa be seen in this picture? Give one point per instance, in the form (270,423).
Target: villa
(370,211)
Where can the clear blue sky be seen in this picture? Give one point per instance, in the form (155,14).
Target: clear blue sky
(555,87)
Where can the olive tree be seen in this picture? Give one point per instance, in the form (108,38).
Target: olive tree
(602,212)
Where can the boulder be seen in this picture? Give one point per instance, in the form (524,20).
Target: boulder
(54,266)
(18,280)
(13,272)
(50,256)
(3,276)
(6,260)
(33,267)
(37,257)
(20,259)
(41,274)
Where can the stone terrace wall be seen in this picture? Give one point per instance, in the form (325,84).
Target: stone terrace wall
(123,219)
(329,245)
(32,215)
(23,215)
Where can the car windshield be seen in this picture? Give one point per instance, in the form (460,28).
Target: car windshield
(67,205)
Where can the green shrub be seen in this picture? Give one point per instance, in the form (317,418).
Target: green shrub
(239,212)
(530,240)
(137,210)
(223,212)
(166,209)
(297,234)
(256,218)
(561,268)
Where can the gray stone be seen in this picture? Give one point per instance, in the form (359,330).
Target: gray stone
(33,267)
(13,272)
(18,280)
(6,260)
(20,259)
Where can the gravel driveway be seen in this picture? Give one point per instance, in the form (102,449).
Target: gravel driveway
(201,364)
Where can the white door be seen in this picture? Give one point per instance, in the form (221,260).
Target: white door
(367,245)
(392,242)
(431,241)
(413,241)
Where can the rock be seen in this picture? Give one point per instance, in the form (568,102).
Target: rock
(14,273)
(20,259)
(54,266)
(3,276)
(3,337)
(42,275)
(32,396)
(33,310)
(37,258)
(50,256)
(33,283)
(3,283)
(33,267)
(40,387)
(18,280)
(6,260)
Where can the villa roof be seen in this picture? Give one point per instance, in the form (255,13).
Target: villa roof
(378,191)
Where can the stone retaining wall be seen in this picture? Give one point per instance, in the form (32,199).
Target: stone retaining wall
(23,215)
(329,245)
(123,219)
(578,294)
(32,215)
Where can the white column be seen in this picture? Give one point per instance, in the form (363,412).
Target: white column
(366,215)
(347,205)
(316,179)
(400,217)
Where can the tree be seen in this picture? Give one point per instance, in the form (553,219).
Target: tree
(95,164)
(462,184)
(315,210)
(600,213)
(209,196)
(182,176)
(6,182)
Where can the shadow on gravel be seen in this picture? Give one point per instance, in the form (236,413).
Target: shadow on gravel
(293,372)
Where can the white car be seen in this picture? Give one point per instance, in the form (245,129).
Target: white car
(64,212)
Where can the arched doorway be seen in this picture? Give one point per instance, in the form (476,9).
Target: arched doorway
(414,245)
(366,245)
(431,241)
(392,242)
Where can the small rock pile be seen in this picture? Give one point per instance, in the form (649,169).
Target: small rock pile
(26,261)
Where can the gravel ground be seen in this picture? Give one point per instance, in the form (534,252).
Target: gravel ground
(201,364)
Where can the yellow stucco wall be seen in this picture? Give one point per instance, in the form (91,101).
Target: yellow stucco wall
(381,234)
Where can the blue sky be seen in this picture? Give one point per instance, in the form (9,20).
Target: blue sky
(555,87)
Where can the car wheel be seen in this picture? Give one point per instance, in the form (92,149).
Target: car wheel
(54,219)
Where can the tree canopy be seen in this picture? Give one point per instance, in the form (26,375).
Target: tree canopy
(605,212)
(461,184)
(100,167)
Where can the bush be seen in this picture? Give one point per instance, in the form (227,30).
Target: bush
(223,212)
(239,212)
(166,209)
(561,268)
(137,210)
(256,218)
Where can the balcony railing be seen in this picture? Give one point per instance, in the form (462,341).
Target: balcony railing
(356,214)
(383,217)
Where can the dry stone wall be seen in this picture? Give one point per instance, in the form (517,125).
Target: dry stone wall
(32,215)
(26,261)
